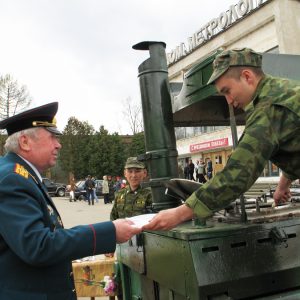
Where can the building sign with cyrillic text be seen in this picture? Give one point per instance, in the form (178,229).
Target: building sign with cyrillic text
(209,145)
(213,27)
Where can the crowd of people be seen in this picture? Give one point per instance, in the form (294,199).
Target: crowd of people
(94,188)
(201,172)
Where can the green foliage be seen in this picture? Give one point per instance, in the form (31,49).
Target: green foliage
(85,151)
(137,146)
(109,156)
(76,148)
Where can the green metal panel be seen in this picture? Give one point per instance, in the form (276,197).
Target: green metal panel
(248,263)
(169,263)
(237,260)
(131,283)
(198,104)
(133,254)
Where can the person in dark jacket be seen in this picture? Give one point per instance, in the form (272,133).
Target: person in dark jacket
(89,187)
(35,250)
(191,169)
(209,168)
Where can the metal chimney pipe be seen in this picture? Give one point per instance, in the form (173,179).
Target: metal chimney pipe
(161,153)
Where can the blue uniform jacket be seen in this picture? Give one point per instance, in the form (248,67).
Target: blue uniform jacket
(35,251)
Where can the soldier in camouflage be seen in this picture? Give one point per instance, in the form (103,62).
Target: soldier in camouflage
(132,200)
(272,132)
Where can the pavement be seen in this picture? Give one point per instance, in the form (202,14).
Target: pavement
(80,213)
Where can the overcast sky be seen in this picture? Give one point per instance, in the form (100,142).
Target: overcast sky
(79,52)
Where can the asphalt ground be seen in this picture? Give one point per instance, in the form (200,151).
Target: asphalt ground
(80,213)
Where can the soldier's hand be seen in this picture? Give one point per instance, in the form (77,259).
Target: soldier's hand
(282,192)
(125,229)
(170,218)
(281,195)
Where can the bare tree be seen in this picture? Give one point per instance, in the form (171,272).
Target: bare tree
(133,113)
(14,98)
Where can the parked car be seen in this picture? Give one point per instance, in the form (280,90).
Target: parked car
(55,188)
(80,192)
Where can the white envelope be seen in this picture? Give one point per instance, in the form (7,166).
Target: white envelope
(141,220)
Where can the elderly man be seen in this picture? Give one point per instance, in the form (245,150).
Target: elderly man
(132,200)
(272,132)
(35,250)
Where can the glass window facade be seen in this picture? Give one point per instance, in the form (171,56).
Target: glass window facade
(187,132)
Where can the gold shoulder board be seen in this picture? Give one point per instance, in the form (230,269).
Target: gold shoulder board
(19,169)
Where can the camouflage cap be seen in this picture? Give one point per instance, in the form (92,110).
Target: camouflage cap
(234,58)
(132,162)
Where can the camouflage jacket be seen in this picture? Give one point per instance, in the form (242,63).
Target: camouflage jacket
(272,132)
(130,203)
